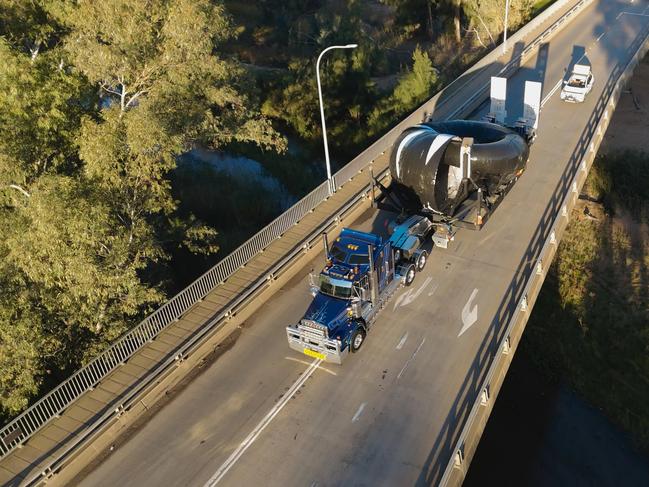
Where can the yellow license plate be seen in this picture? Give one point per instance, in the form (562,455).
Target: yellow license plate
(311,353)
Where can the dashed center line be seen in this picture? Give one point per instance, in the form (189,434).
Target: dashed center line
(411,358)
(402,341)
(359,412)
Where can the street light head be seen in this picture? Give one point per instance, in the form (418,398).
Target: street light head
(351,46)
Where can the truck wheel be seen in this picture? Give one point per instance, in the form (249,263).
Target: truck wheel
(421,260)
(357,340)
(410,274)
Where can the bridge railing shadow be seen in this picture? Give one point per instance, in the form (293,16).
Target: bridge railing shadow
(455,428)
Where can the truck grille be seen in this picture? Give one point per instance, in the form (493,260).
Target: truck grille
(313,329)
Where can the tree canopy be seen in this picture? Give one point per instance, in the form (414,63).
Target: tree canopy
(100,99)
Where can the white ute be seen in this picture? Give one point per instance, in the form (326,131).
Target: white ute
(579,85)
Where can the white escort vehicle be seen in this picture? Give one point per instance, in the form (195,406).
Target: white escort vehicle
(578,85)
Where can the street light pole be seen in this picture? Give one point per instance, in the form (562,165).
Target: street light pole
(506,22)
(324,127)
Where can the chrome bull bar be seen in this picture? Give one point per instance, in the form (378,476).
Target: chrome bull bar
(308,341)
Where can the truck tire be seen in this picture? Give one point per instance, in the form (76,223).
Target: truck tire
(410,274)
(422,258)
(358,338)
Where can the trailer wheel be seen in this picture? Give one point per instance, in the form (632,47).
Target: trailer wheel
(357,340)
(410,274)
(421,260)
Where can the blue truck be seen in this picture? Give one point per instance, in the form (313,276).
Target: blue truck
(362,272)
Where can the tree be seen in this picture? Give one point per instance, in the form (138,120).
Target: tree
(86,210)
(416,85)
(489,15)
(69,280)
(164,89)
(43,102)
(413,88)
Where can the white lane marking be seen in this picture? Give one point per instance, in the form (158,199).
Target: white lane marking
(402,341)
(359,412)
(600,36)
(433,289)
(469,314)
(232,459)
(554,89)
(412,357)
(410,295)
(305,362)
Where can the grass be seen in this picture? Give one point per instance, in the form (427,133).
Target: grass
(590,325)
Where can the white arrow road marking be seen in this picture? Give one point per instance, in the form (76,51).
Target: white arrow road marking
(409,296)
(405,366)
(402,342)
(359,412)
(469,314)
(232,459)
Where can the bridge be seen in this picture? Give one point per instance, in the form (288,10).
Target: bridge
(206,391)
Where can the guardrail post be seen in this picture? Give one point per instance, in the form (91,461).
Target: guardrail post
(484,396)
(458,459)
(506,345)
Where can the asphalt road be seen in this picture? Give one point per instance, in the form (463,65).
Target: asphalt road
(264,415)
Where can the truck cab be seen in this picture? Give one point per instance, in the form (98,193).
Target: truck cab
(578,85)
(358,278)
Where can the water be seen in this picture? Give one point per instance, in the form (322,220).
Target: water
(543,434)
(243,169)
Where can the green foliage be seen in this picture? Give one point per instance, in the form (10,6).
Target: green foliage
(43,102)
(416,85)
(413,88)
(488,16)
(70,283)
(86,208)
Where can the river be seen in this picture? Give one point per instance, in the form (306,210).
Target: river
(541,433)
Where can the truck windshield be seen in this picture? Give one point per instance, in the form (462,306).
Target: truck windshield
(337,253)
(359,259)
(335,287)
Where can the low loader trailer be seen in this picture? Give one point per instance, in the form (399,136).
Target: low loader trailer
(444,175)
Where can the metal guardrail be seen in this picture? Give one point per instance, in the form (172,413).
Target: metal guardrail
(56,401)
(477,418)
